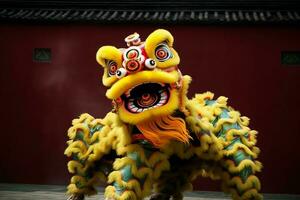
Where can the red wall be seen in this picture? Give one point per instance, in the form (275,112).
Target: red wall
(39,100)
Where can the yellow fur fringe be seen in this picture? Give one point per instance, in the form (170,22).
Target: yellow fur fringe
(115,135)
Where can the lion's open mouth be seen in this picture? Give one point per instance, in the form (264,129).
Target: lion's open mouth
(146,96)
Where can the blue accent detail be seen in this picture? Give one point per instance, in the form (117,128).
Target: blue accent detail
(95,129)
(119,190)
(230,146)
(226,127)
(146,145)
(135,156)
(239,156)
(245,173)
(126,173)
(221,134)
(224,114)
(210,102)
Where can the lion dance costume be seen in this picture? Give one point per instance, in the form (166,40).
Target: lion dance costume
(156,140)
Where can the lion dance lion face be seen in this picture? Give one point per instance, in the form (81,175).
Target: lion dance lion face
(143,80)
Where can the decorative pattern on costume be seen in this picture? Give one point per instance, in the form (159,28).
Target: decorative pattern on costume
(155,135)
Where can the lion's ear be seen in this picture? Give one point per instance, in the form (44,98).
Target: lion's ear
(157,37)
(110,58)
(159,46)
(107,53)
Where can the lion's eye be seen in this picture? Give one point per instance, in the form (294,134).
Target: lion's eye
(112,68)
(121,73)
(162,52)
(150,63)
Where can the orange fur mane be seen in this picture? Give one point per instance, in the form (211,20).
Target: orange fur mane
(161,130)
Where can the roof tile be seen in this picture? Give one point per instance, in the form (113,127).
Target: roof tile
(142,16)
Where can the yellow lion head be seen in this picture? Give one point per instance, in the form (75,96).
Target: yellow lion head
(143,79)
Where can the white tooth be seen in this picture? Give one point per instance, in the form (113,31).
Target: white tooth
(163,98)
(134,109)
(131,105)
(163,101)
(140,110)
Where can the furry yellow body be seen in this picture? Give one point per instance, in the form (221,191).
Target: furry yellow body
(175,138)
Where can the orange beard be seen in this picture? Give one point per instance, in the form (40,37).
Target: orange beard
(161,130)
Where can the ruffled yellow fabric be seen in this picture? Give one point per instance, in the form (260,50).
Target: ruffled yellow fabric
(221,149)
(214,153)
(89,148)
(210,138)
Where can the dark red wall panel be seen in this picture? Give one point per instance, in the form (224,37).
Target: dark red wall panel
(39,100)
